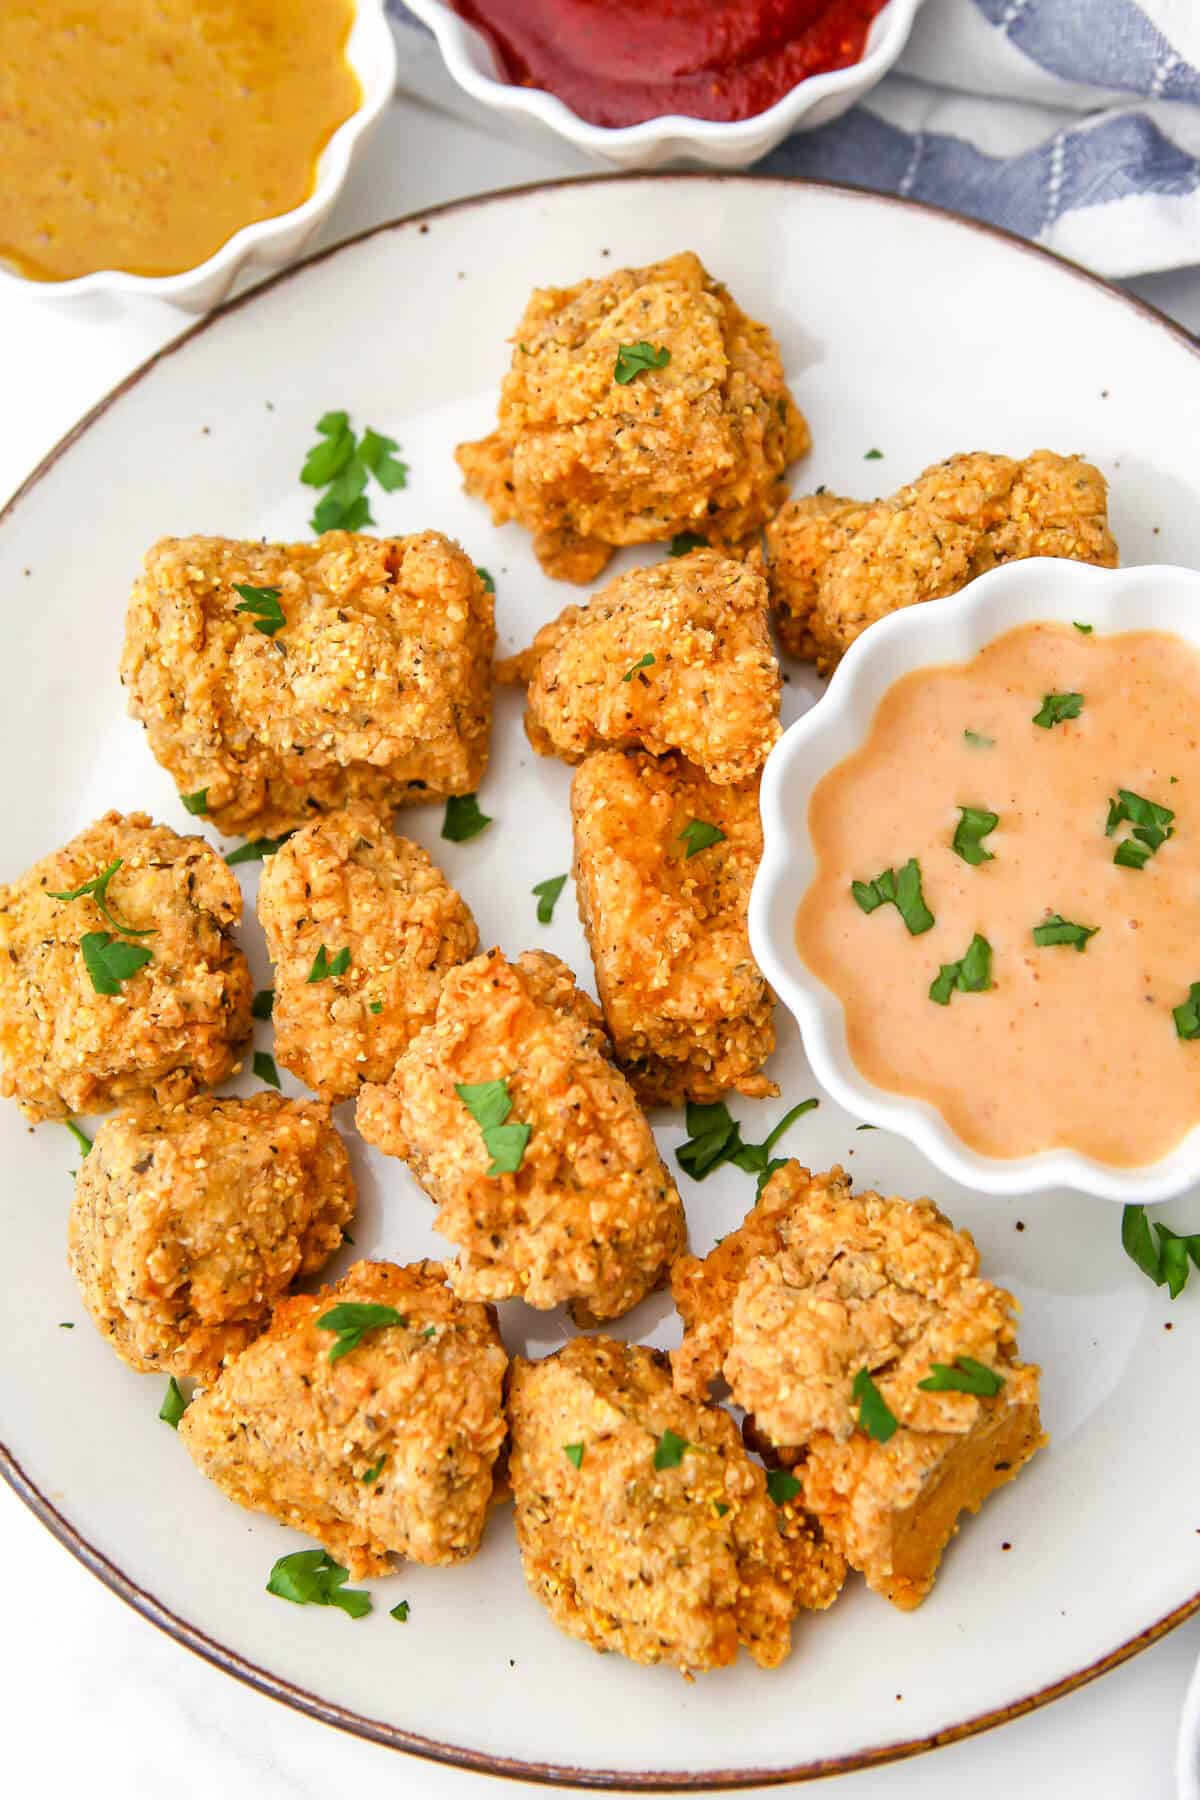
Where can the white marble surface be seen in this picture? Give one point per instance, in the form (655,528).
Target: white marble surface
(95,1700)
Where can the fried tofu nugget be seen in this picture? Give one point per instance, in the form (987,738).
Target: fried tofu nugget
(836,565)
(815,1287)
(389,924)
(77,1039)
(359,668)
(686,1005)
(643,1525)
(676,656)
(590,1215)
(593,450)
(191,1220)
(386,1450)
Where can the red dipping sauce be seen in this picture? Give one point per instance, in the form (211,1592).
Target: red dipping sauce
(618,62)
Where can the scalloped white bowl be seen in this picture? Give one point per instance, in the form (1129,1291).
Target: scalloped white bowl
(472,63)
(946,631)
(266,243)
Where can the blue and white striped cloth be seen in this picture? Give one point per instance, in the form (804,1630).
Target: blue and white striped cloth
(1073,122)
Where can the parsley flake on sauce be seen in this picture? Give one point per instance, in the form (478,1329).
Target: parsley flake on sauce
(196,803)
(699,835)
(174,1405)
(901,890)
(685,541)
(1057,930)
(547,893)
(263,1003)
(670,1450)
(963,1376)
(977,741)
(782,1486)
(974,824)
(325,965)
(634,359)
(312,1578)
(264,1068)
(1085,629)
(110,961)
(350,1319)
(85,1142)
(1057,707)
(643,662)
(715,1137)
(1152,826)
(1167,1262)
(257,850)
(971,974)
(263,604)
(1186,1015)
(489,1104)
(574,1453)
(463,819)
(97,889)
(874,1415)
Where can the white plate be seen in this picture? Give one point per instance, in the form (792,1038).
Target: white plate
(902,329)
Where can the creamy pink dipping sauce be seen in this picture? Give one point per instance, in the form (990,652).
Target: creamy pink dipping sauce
(1066,1048)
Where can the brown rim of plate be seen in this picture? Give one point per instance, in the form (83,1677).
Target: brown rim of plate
(378,1731)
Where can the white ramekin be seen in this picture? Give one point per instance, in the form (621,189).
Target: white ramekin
(268,243)
(943,631)
(469,59)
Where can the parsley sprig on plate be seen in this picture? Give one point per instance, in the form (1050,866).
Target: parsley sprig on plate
(715,1137)
(341,463)
(1168,1261)
(312,1578)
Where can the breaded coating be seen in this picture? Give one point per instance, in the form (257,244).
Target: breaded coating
(377,686)
(586,462)
(388,1450)
(348,883)
(687,1008)
(691,635)
(191,1220)
(682,1563)
(175,1025)
(591,1215)
(819,1284)
(836,565)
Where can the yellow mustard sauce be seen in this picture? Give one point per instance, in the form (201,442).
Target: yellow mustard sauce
(141,134)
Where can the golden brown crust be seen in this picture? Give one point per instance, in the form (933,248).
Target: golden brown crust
(176,1024)
(688,1010)
(287,1432)
(190,1221)
(711,685)
(591,1216)
(819,1284)
(585,462)
(349,883)
(377,687)
(681,1564)
(836,565)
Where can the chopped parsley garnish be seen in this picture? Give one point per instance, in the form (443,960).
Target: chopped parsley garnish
(971,974)
(1086,629)
(684,541)
(263,1003)
(574,1453)
(643,662)
(977,740)
(325,965)
(97,890)
(110,961)
(256,850)
(351,1318)
(196,803)
(376,1006)
(312,1578)
(720,1508)
(1057,707)
(1186,1017)
(873,456)
(635,359)
(974,824)
(489,586)
(85,1142)
(716,1138)
(963,1376)
(263,604)
(874,1415)
(264,1068)
(372,1475)
(901,890)
(463,818)
(66,1324)
(1058,930)
(341,463)
(489,1104)
(669,1450)
(782,1486)
(698,835)
(174,1405)
(1166,1262)
(1152,826)
(400,1612)
(547,893)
